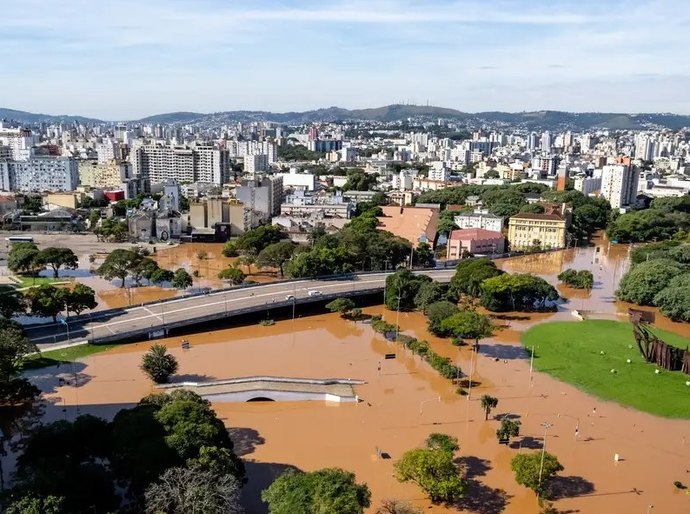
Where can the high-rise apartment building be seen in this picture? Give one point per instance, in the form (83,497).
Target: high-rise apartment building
(619,184)
(159,163)
(255,163)
(19,141)
(39,174)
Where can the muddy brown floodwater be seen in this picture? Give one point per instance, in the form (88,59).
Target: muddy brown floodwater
(212,261)
(406,400)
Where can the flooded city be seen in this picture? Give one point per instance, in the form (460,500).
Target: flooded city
(403,399)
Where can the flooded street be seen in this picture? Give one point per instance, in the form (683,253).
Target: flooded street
(404,400)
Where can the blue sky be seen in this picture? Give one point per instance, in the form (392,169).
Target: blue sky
(125,59)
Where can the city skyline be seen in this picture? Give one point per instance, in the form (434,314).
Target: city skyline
(129,60)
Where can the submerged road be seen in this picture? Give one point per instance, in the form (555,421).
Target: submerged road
(155,319)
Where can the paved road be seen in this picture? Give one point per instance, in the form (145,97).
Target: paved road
(135,321)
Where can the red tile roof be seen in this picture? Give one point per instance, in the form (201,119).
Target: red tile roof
(474,233)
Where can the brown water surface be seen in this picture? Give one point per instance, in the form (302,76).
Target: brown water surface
(404,400)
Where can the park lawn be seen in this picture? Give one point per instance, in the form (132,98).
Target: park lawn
(571,352)
(29,281)
(55,357)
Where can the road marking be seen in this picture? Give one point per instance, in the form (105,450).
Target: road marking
(293,287)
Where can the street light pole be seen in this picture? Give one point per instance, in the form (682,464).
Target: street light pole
(546,426)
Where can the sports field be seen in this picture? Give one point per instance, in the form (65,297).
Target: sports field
(592,355)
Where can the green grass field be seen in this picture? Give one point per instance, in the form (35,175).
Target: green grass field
(54,357)
(32,281)
(571,351)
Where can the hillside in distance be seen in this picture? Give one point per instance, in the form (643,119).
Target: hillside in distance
(537,120)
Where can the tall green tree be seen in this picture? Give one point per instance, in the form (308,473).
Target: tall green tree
(517,292)
(469,275)
(332,491)
(80,298)
(467,325)
(509,428)
(161,275)
(437,312)
(644,281)
(56,258)
(534,470)
(11,302)
(144,268)
(429,293)
(402,288)
(276,255)
(232,274)
(181,279)
(673,300)
(434,471)
(46,300)
(119,264)
(158,364)
(22,258)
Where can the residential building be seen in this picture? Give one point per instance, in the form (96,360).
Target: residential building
(587,185)
(103,174)
(298,181)
(309,206)
(158,163)
(220,218)
(480,218)
(263,195)
(476,241)
(619,184)
(416,224)
(526,230)
(255,163)
(107,151)
(39,174)
(19,141)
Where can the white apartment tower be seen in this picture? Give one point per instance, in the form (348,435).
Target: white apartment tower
(619,184)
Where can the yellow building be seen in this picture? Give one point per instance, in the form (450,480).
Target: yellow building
(108,174)
(526,230)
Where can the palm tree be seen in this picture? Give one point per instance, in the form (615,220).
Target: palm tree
(158,364)
(488,403)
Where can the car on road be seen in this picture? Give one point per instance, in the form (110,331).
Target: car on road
(314,292)
(290,297)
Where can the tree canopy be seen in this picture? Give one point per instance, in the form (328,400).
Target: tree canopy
(182,279)
(582,279)
(22,258)
(645,280)
(158,364)
(469,275)
(530,472)
(57,258)
(402,288)
(120,263)
(434,471)
(517,292)
(467,325)
(276,255)
(332,491)
(169,446)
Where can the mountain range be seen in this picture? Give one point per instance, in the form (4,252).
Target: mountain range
(537,120)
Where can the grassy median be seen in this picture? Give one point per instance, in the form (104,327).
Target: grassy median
(55,357)
(584,353)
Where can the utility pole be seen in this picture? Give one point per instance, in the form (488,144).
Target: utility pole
(546,426)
